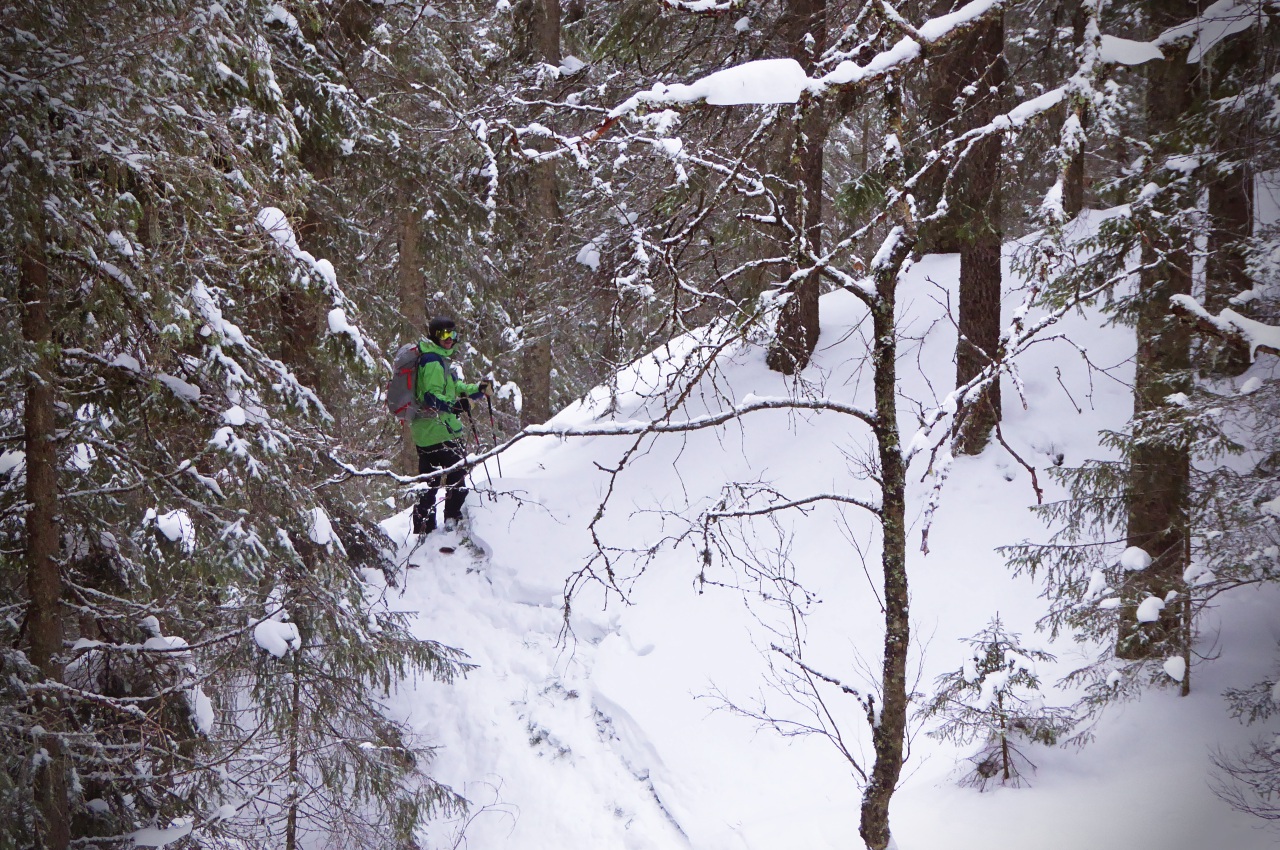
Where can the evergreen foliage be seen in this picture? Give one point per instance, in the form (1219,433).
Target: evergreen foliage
(995,699)
(1199,421)
(150,151)
(215,218)
(1175,162)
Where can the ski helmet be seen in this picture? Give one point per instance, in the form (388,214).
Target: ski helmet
(438,324)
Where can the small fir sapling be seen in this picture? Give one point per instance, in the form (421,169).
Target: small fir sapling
(995,698)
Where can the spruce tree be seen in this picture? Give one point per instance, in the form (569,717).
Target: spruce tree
(168,494)
(995,699)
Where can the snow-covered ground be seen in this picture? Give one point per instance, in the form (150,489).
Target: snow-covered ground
(614,735)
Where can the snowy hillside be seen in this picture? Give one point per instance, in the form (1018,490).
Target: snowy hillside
(614,735)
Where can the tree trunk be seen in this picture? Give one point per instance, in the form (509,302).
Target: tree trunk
(982,239)
(413,298)
(979,338)
(1073,184)
(1159,473)
(302,311)
(544,217)
(44,576)
(535,383)
(539,21)
(295,777)
(973,224)
(1231,200)
(1231,217)
(796,334)
(888,729)
(537,30)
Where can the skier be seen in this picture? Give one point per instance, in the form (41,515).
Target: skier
(437,433)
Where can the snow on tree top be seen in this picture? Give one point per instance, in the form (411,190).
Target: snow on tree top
(848,72)
(1124,51)
(1272,507)
(179,387)
(936,28)
(162,837)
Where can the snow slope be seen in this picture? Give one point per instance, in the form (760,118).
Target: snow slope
(613,734)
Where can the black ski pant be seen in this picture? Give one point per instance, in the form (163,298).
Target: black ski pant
(430,459)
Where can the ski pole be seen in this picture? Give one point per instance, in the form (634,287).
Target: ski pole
(475,432)
(493,432)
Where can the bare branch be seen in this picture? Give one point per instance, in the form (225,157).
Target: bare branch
(795,503)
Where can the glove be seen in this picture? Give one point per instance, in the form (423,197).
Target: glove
(462,405)
(485,387)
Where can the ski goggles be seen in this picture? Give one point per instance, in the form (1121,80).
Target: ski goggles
(443,335)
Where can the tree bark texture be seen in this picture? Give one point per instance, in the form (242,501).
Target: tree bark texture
(979,339)
(1075,177)
(1231,225)
(804,30)
(539,21)
(413,299)
(1226,274)
(1231,202)
(542,212)
(973,223)
(1159,473)
(44,573)
(889,726)
(302,310)
(537,29)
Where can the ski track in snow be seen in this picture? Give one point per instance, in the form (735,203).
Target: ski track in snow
(608,738)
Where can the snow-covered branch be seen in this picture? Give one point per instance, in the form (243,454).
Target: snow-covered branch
(766,81)
(1218,22)
(751,405)
(704,7)
(1230,325)
(274,222)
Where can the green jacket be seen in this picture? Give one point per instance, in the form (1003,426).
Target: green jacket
(438,391)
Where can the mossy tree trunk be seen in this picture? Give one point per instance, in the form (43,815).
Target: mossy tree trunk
(889,726)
